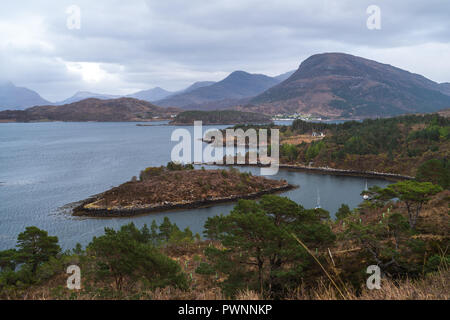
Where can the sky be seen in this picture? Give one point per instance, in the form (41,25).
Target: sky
(119,47)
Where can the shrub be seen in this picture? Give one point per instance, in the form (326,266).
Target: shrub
(150,172)
(435,171)
(120,256)
(224,173)
(175,166)
(205,269)
(343,212)
(259,250)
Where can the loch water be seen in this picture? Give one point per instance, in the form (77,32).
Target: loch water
(45,167)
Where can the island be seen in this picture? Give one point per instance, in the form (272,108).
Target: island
(92,109)
(217,117)
(177,186)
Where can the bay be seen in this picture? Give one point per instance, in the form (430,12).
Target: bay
(45,166)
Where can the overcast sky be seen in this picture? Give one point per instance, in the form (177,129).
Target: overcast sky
(125,46)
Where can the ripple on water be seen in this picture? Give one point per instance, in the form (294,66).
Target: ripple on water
(21,182)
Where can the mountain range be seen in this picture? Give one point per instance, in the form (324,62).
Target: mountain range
(284,76)
(237,85)
(225,93)
(81,95)
(335,85)
(445,87)
(18,97)
(343,85)
(154,94)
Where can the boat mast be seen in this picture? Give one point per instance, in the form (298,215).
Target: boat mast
(318,199)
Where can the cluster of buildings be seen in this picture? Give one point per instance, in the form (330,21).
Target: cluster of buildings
(295,116)
(317,134)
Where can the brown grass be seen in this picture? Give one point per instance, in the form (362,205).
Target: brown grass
(345,258)
(178,186)
(298,139)
(432,287)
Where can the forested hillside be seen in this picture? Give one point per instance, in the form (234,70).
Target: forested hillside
(394,145)
(220,117)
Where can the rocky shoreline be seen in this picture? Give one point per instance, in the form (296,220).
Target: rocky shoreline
(366,174)
(81,209)
(328,170)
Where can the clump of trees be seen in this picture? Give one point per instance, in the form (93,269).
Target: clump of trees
(392,241)
(301,127)
(343,212)
(150,172)
(412,193)
(394,246)
(436,171)
(128,256)
(221,117)
(396,144)
(23,266)
(175,166)
(433,132)
(385,243)
(259,251)
(272,246)
(131,259)
(34,248)
(289,152)
(314,149)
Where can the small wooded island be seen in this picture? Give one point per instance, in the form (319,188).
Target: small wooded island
(218,117)
(177,186)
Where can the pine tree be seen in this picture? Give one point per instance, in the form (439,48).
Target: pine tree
(259,249)
(125,260)
(35,246)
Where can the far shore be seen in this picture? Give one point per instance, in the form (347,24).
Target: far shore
(94,121)
(166,119)
(327,170)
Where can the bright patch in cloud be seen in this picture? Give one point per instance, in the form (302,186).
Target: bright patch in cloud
(90,72)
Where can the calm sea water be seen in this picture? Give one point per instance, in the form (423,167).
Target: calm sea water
(45,166)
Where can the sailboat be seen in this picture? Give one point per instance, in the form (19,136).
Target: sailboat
(366,196)
(318,200)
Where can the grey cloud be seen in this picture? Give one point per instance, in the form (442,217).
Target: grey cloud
(172,43)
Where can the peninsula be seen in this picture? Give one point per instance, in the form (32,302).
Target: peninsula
(92,109)
(177,186)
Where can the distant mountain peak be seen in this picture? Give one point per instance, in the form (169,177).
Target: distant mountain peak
(445,88)
(6,83)
(237,85)
(343,85)
(85,93)
(156,89)
(194,86)
(239,73)
(282,77)
(150,95)
(81,95)
(13,97)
